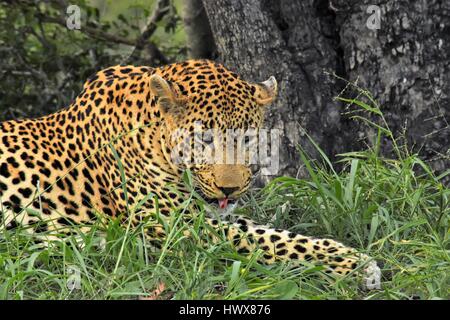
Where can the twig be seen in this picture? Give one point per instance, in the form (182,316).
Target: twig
(162,8)
(138,43)
(93,32)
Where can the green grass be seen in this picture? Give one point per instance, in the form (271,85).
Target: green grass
(394,209)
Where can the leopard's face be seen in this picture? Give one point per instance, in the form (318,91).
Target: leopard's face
(208,122)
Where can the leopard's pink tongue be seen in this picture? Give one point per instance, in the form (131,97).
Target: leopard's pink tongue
(223,203)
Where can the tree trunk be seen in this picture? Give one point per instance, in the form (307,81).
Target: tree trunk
(200,40)
(296,41)
(406,66)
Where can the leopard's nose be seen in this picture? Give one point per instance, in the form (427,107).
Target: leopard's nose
(227,191)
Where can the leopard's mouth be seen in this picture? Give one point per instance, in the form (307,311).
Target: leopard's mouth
(221,203)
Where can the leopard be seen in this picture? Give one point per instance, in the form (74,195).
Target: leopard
(71,166)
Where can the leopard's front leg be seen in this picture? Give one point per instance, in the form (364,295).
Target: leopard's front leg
(247,236)
(281,245)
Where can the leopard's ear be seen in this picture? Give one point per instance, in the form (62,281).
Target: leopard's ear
(266,91)
(167,93)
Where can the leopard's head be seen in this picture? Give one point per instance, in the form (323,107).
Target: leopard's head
(202,107)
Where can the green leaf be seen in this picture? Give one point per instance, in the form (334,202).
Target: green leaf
(286,290)
(351,182)
(363,105)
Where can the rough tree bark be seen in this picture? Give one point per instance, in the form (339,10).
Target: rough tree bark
(405,64)
(200,40)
